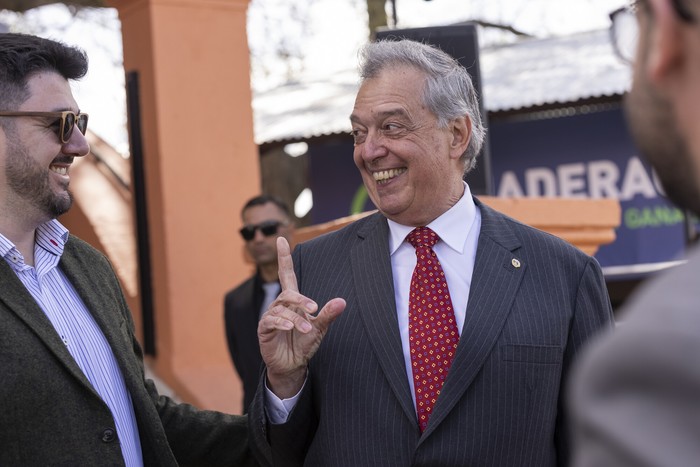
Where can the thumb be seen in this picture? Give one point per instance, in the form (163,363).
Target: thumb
(329,313)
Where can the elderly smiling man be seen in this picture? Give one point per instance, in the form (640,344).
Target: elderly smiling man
(454,326)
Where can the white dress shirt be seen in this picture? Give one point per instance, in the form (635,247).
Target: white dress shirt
(458,229)
(272,290)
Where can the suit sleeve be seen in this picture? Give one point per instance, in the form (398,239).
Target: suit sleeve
(283,445)
(196,437)
(167,429)
(229,323)
(592,314)
(635,398)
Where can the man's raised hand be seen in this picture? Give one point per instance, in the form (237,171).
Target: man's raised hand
(288,332)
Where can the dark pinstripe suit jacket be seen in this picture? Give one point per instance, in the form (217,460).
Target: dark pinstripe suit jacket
(501,404)
(51,415)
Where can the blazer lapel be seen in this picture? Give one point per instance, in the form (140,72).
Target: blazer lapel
(18,299)
(371,269)
(487,308)
(103,303)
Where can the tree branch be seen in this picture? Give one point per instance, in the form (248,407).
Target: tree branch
(503,27)
(20,6)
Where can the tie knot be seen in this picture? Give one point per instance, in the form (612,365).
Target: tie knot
(422,237)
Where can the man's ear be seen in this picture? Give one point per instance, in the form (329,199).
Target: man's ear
(461,130)
(665,44)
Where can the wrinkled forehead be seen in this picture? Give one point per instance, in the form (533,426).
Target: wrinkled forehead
(397,72)
(393,88)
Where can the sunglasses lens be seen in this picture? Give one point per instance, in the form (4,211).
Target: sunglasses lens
(248,232)
(269,229)
(82,123)
(67,129)
(266,228)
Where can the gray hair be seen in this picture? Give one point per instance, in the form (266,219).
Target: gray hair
(448,92)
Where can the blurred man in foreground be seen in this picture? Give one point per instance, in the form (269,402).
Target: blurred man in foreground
(636,395)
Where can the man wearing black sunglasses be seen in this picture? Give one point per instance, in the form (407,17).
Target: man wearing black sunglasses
(635,397)
(264,219)
(73,390)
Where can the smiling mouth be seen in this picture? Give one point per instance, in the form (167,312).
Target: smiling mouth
(61,170)
(383,176)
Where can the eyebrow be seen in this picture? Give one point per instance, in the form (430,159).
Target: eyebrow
(66,109)
(383,114)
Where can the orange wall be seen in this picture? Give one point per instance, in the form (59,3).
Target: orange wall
(201,165)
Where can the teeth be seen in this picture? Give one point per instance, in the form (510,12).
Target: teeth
(59,170)
(385,175)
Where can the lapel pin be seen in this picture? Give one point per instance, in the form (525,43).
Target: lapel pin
(515,263)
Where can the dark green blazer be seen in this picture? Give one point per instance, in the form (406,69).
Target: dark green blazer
(51,415)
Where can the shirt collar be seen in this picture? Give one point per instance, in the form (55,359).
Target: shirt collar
(452,226)
(50,236)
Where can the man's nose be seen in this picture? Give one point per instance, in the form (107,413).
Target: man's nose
(374,146)
(258,235)
(77,145)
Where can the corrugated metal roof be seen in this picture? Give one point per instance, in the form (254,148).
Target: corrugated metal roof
(550,71)
(303,110)
(529,73)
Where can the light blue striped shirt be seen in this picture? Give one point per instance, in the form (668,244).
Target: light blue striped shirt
(77,328)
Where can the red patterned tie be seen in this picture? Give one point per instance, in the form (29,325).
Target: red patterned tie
(432,328)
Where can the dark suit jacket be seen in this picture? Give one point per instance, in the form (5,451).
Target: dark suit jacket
(241,316)
(501,404)
(51,415)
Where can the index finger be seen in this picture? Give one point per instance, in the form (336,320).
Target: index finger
(288,280)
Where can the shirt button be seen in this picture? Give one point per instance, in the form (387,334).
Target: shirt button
(108,435)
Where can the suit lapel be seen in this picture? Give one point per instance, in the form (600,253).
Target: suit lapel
(96,288)
(18,299)
(371,269)
(487,308)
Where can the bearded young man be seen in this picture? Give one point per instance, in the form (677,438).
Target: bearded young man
(73,389)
